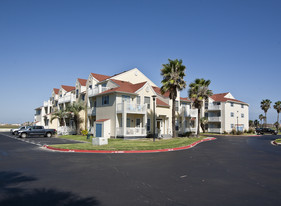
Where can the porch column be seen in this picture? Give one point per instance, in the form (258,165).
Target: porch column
(144,121)
(124,119)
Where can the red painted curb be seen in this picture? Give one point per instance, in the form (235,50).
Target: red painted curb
(132,151)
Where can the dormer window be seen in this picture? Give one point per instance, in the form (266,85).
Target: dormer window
(90,86)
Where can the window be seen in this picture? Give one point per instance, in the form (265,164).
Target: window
(242,105)
(138,99)
(103,85)
(105,100)
(77,93)
(206,105)
(231,104)
(242,115)
(128,122)
(231,114)
(232,126)
(147,101)
(90,86)
(125,98)
(148,125)
(177,125)
(137,122)
(83,97)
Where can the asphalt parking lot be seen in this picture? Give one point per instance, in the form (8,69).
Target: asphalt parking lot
(228,171)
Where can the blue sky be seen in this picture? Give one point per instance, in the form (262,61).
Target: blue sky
(44,44)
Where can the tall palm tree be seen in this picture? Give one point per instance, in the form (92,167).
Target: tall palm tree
(198,92)
(277,106)
(60,115)
(74,109)
(265,105)
(173,74)
(256,123)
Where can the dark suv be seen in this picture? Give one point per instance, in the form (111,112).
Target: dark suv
(266,131)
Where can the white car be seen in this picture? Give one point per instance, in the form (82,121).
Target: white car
(15,131)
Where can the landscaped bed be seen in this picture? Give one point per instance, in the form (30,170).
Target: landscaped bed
(126,145)
(278,141)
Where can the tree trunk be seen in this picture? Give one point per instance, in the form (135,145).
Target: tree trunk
(265,120)
(277,122)
(174,117)
(198,120)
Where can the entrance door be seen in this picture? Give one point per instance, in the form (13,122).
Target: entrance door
(98,130)
(159,126)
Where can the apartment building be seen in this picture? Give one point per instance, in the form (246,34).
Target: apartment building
(124,105)
(225,113)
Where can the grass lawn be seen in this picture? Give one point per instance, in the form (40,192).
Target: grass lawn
(278,141)
(123,145)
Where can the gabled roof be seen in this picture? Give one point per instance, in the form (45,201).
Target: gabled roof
(67,88)
(221,98)
(158,91)
(185,99)
(56,90)
(161,103)
(100,77)
(123,86)
(82,81)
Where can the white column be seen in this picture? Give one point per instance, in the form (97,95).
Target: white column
(124,118)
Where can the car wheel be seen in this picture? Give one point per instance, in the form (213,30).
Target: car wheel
(48,134)
(23,135)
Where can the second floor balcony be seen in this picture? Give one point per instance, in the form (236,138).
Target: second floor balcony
(91,111)
(187,112)
(67,98)
(214,107)
(214,119)
(97,90)
(131,108)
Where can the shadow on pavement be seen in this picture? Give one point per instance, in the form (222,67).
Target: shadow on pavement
(10,195)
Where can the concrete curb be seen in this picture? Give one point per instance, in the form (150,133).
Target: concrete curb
(131,151)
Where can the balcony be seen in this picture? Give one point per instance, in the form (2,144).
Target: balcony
(131,131)
(67,98)
(214,107)
(215,130)
(214,119)
(47,103)
(92,111)
(96,90)
(187,112)
(131,108)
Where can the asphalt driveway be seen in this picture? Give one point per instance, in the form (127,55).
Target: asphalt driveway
(227,171)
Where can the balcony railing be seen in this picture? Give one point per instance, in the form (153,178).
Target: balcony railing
(131,131)
(67,98)
(131,108)
(187,112)
(47,103)
(214,119)
(214,107)
(92,111)
(215,130)
(97,90)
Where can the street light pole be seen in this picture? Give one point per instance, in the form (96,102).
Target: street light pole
(154,117)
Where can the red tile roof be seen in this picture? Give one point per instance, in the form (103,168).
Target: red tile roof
(101,120)
(56,90)
(221,98)
(100,77)
(186,99)
(158,91)
(67,88)
(123,86)
(82,81)
(161,103)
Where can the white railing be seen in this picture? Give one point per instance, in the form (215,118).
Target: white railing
(187,112)
(131,108)
(215,130)
(65,130)
(92,111)
(214,107)
(214,119)
(131,131)
(96,90)
(37,118)
(67,98)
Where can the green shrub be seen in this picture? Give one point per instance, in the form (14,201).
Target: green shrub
(225,132)
(251,130)
(84,132)
(187,134)
(233,131)
(239,132)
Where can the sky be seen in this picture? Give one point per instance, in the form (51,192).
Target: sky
(44,44)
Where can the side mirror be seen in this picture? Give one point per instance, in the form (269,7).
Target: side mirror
(29,128)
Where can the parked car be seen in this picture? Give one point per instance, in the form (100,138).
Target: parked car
(15,131)
(266,131)
(36,130)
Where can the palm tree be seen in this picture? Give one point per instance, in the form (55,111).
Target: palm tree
(173,74)
(265,105)
(256,123)
(277,106)
(60,115)
(203,122)
(198,92)
(74,109)
(261,117)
